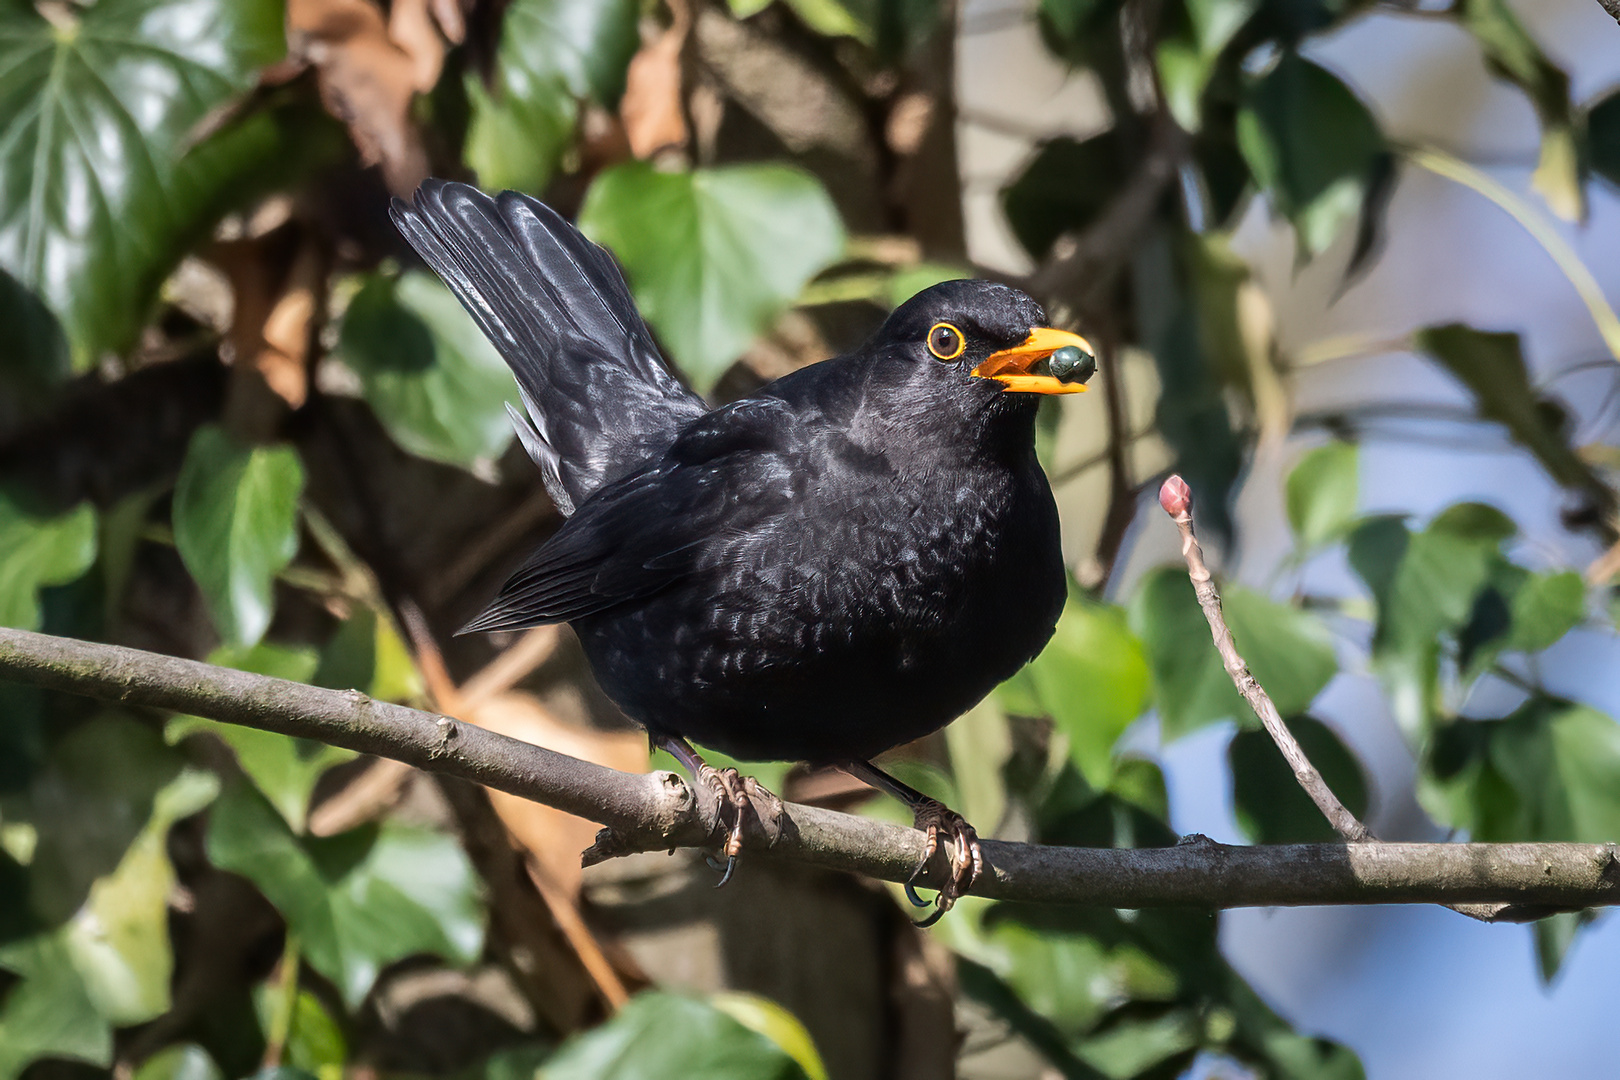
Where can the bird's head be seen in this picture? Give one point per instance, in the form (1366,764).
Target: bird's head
(983,330)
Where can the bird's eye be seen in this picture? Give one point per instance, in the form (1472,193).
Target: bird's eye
(946,341)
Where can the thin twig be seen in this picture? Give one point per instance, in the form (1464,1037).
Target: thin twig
(658,811)
(1176,498)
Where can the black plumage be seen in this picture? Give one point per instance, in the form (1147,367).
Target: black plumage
(839,563)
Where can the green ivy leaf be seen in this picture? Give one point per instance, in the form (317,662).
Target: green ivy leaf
(358,900)
(236,526)
(97,106)
(283,768)
(1492,367)
(1313,146)
(50,1013)
(1270,804)
(433,379)
(713,255)
(1550,771)
(111,964)
(1425,584)
(366,654)
(36,551)
(1289,651)
(89,803)
(551,54)
(1512,54)
(661,1036)
(776,1024)
(1092,679)
(1322,491)
(119,940)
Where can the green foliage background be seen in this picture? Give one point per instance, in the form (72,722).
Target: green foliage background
(151,494)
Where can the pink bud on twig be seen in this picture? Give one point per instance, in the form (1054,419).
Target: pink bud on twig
(1175,496)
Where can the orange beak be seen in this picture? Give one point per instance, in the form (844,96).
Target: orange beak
(1023,368)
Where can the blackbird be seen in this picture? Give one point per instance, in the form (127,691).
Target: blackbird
(839,563)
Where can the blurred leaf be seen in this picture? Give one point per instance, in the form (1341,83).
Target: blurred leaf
(552,53)
(912,280)
(1312,145)
(1546,607)
(111,964)
(37,551)
(979,745)
(436,383)
(1268,801)
(358,900)
(1551,771)
(713,255)
(1072,980)
(236,526)
(315,1042)
(366,654)
(516,143)
(182,1061)
(50,1013)
(984,986)
(1425,584)
(1198,31)
(1092,680)
(119,941)
(660,1036)
(35,361)
(1512,54)
(1133,1046)
(1554,936)
(1293,1056)
(1177,287)
(89,804)
(1065,188)
(1288,650)
(1603,137)
(776,1024)
(96,111)
(1322,492)
(283,768)
(1492,367)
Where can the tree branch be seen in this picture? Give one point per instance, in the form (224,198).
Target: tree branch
(659,811)
(1176,498)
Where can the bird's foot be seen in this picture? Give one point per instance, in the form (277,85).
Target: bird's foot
(739,796)
(936,819)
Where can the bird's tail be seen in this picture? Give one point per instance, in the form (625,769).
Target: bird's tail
(599,398)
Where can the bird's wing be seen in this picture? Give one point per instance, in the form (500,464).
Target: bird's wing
(726,474)
(601,403)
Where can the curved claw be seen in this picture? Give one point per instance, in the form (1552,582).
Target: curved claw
(731,865)
(967,861)
(929,920)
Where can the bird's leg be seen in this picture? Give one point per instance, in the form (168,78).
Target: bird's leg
(934,818)
(738,795)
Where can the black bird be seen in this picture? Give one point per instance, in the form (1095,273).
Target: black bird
(839,563)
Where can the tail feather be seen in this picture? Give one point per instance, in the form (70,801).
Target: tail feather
(599,398)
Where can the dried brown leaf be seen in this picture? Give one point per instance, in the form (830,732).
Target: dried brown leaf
(366,80)
(552,837)
(651,106)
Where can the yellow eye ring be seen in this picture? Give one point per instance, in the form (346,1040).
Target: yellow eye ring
(945,341)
